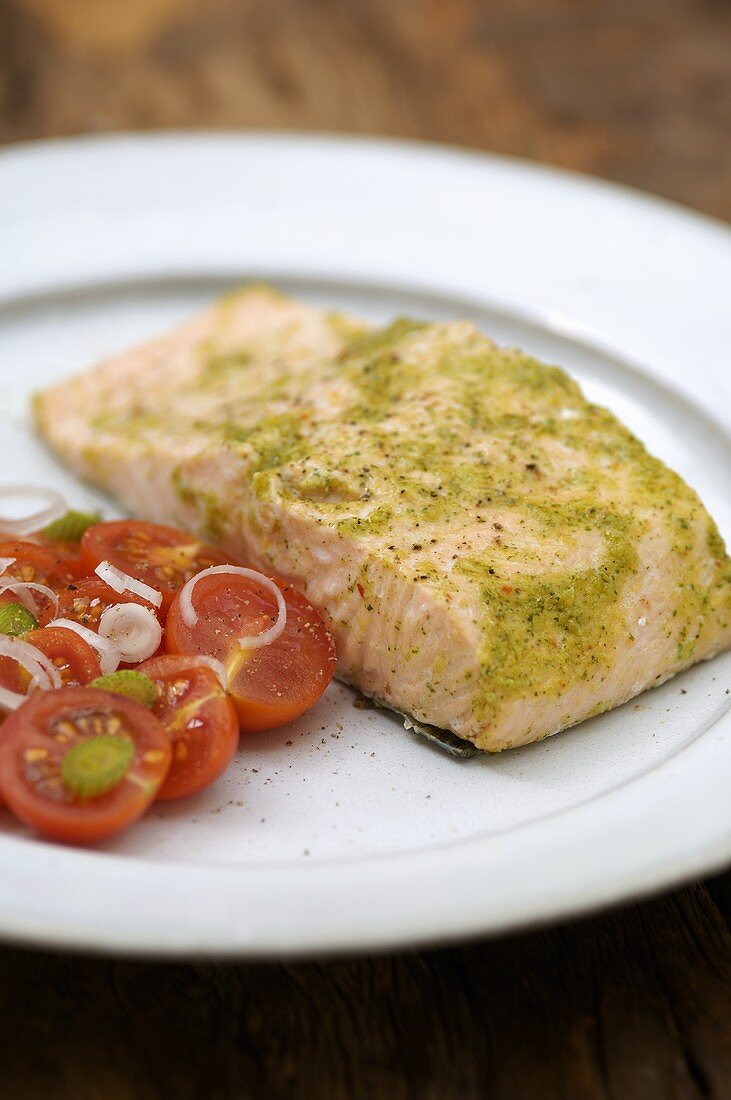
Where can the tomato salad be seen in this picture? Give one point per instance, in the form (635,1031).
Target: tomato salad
(132,656)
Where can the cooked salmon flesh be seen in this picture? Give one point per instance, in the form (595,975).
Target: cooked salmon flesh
(497,557)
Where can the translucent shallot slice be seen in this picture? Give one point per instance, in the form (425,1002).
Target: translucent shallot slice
(53,506)
(134,629)
(11,700)
(248,641)
(123,582)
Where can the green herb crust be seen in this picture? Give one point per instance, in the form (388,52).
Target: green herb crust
(448,441)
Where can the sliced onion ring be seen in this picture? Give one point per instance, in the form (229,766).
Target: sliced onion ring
(41,669)
(5,563)
(123,582)
(21,589)
(11,700)
(134,629)
(109,655)
(54,506)
(248,641)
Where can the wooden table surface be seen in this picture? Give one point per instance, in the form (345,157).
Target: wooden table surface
(633,1005)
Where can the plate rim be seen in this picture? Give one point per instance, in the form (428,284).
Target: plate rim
(63,143)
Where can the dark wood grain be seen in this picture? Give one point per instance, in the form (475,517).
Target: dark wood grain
(634,1005)
(634,90)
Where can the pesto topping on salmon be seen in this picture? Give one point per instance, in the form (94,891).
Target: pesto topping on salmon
(473,432)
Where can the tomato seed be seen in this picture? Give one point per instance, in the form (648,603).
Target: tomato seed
(31,756)
(153,756)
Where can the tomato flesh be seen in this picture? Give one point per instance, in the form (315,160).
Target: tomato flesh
(199,719)
(162,557)
(34,740)
(270,685)
(13,677)
(65,552)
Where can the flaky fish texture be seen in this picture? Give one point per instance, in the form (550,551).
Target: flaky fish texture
(496,556)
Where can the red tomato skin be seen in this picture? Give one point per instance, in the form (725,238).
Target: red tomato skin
(260,714)
(218,740)
(163,557)
(257,718)
(77,662)
(62,817)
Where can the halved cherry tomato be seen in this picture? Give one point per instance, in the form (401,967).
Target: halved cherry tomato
(86,600)
(36,740)
(69,553)
(74,658)
(160,556)
(39,565)
(271,685)
(200,721)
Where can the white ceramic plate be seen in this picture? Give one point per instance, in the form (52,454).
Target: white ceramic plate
(345,832)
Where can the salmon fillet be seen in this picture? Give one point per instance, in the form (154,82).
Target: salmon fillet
(497,557)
